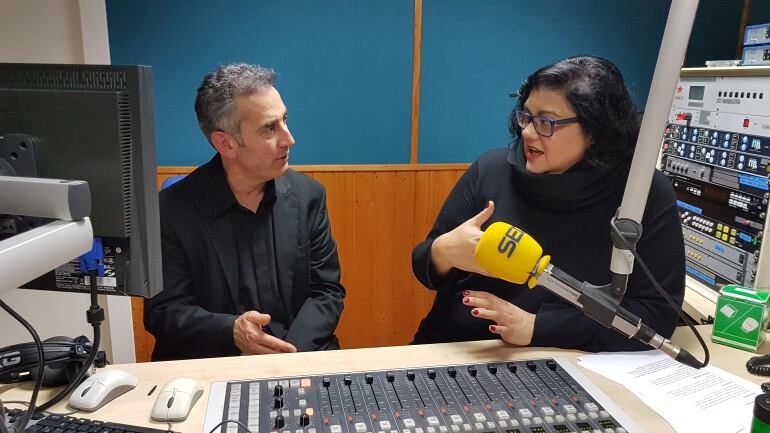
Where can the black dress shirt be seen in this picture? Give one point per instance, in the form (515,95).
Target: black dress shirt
(257,281)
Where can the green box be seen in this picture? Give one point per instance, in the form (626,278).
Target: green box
(741,317)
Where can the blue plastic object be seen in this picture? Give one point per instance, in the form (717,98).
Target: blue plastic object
(171,180)
(756,34)
(94,259)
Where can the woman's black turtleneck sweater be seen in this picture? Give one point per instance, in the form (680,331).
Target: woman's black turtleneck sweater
(569,215)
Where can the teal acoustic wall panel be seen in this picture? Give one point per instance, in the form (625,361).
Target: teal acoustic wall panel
(475,53)
(344,69)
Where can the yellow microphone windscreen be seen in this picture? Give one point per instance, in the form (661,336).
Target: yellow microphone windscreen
(508,253)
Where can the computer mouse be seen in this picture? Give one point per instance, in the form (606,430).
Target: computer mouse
(176,399)
(101,388)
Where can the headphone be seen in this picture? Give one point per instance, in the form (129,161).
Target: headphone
(758,365)
(64,357)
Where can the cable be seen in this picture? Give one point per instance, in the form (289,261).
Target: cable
(665,294)
(95,315)
(47,412)
(3,428)
(758,365)
(40,361)
(243,426)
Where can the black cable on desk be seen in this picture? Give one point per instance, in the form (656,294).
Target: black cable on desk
(95,316)
(242,425)
(40,363)
(3,428)
(758,365)
(46,412)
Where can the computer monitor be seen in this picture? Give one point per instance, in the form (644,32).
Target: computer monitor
(92,123)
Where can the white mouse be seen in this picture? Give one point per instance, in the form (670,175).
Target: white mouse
(176,399)
(101,388)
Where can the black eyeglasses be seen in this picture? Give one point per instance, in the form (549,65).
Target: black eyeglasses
(543,125)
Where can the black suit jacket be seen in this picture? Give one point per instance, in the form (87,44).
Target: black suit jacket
(193,316)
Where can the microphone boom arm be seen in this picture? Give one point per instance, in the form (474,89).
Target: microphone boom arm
(597,304)
(673,48)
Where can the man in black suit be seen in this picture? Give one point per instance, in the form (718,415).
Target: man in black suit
(249,263)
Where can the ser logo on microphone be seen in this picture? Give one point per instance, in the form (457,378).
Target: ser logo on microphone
(509,241)
(10,358)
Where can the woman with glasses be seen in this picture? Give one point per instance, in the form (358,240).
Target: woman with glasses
(562,180)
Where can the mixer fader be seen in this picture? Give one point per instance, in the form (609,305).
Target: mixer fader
(535,396)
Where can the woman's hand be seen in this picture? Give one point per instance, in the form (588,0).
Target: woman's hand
(455,249)
(513,324)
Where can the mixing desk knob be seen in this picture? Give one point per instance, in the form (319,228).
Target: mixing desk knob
(451,372)
(279,421)
(431,373)
(511,367)
(278,391)
(410,375)
(369,378)
(531,366)
(326,382)
(472,370)
(551,364)
(278,403)
(348,380)
(304,420)
(492,368)
(390,376)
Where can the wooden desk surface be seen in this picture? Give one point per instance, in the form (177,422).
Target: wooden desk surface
(134,407)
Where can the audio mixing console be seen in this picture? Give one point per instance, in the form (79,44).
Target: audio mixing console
(535,396)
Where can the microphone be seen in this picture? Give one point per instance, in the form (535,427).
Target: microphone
(510,254)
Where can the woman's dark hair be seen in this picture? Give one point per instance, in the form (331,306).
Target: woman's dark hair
(595,90)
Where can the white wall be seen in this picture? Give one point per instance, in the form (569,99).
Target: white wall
(40,31)
(60,31)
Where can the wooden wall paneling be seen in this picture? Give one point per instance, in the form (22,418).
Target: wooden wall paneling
(411,301)
(380,327)
(143,340)
(362,277)
(431,189)
(342,208)
(423,219)
(340,218)
(442,183)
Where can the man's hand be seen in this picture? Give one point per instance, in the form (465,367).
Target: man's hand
(250,339)
(455,249)
(513,324)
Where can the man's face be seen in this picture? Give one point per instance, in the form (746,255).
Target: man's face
(264,139)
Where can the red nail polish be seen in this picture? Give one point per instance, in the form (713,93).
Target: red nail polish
(475,312)
(492,328)
(466,293)
(466,300)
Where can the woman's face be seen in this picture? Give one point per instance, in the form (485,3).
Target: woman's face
(557,153)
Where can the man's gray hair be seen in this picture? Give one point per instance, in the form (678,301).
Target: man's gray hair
(215,103)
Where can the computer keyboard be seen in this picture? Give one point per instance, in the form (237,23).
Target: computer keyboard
(68,424)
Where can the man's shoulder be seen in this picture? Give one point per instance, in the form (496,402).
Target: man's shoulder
(180,189)
(301,183)
(183,192)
